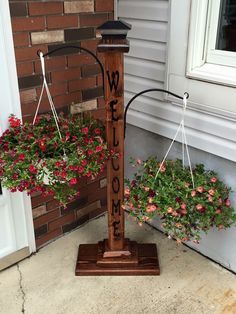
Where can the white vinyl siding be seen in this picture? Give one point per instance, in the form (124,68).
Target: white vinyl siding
(145,64)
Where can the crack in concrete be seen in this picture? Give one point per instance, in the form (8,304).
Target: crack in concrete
(21,289)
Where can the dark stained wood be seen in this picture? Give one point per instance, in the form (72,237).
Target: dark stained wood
(116,255)
(144,261)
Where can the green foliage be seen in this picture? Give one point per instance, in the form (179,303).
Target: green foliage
(34,158)
(185,211)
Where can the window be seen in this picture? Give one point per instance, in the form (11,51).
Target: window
(195,35)
(222,33)
(212,44)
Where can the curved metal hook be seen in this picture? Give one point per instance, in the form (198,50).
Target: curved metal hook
(81,49)
(147,91)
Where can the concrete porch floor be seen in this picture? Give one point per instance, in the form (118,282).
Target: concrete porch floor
(45,283)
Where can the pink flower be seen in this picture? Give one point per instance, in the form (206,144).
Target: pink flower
(227,202)
(200,189)
(183,206)
(218,211)
(210,199)
(85,130)
(170,210)
(73,181)
(193,193)
(163,168)
(199,206)
(89,174)
(146,188)
(184,211)
(150,208)
(211,192)
(127,192)
(214,180)
(138,161)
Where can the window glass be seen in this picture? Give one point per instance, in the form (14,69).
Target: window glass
(226,34)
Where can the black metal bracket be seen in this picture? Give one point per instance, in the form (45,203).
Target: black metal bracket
(144,92)
(81,49)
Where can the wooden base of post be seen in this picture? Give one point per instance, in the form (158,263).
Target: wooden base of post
(136,259)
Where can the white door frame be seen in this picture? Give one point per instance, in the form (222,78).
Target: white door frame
(21,203)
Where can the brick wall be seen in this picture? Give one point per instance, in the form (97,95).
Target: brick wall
(75,83)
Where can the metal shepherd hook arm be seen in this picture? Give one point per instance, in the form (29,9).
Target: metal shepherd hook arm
(81,49)
(144,92)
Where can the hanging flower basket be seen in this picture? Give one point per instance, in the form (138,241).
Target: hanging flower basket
(185,211)
(37,158)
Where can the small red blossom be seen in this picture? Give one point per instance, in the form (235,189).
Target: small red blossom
(14,122)
(85,130)
(33,169)
(80,169)
(84,162)
(73,181)
(89,152)
(21,157)
(99,149)
(97,131)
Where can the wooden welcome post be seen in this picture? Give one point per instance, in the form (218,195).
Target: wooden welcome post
(116,255)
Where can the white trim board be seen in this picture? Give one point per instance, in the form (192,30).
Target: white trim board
(12,105)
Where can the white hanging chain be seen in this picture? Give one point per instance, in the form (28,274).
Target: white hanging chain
(184,143)
(45,85)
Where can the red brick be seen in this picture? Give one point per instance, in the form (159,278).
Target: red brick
(45,8)
(30,53)
(39,200)
(24,69)
(55,90)
(28,96)
(99,114)
(70,74)
(39,211)
(90,44)
(51,64)
(99,80)
(104,6)
(82,84)
(93,19)
(67,99)
(52,205)
(28,24)
(48,237)
(21,39)
(64,21)
(79,60)
(61,221)
(50,216)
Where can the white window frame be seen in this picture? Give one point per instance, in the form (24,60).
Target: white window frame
(211,115)
(213,55)
(204,61)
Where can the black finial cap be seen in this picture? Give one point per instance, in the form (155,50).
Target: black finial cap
(117,27)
